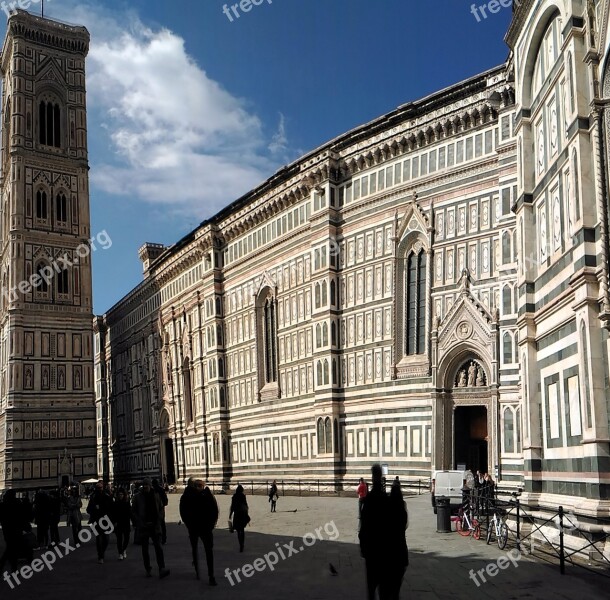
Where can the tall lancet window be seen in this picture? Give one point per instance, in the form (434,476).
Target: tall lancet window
(270,326)
(415,303)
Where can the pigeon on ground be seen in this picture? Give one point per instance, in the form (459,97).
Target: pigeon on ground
(332,569)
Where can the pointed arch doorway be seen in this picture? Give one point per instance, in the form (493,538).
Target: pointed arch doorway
(166,450)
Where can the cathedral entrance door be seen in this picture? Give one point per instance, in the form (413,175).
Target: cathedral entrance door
(170,469)
(470,438)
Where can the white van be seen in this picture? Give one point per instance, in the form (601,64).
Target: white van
(450,484)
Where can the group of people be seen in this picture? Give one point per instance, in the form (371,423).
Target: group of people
(383,522)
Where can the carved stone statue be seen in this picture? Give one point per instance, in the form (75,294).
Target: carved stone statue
(462,378)
(480,378)
(472,374)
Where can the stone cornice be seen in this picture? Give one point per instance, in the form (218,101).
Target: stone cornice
(520,14)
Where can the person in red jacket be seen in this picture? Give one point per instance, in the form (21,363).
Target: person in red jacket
(363,490)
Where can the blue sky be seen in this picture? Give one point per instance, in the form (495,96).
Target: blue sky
(188,110)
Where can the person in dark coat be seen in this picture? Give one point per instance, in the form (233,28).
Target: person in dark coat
(100,506)
(122,522)
(54,515)
(42,518)
(14,521)
(380,528)
(397,543)
(199,512)
(239,512)
(147,513)
(164,501)
(273,495)
(74,516)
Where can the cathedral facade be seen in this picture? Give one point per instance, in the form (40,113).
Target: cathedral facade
(428,291)
(47,401)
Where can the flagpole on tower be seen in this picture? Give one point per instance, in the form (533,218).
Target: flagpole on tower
(42,5)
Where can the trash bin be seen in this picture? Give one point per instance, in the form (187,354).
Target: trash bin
(443,515)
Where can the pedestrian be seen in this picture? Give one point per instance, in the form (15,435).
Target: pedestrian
(74,516)
(42,518)
(379,539)
(147,513)
(100,506)
(398,552)
(363,490)
(54,515)
(14,521)
(122,522)
(273,495)
(239,512)
(199,512)
(164,501)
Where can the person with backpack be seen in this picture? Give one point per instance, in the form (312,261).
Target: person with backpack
(273,495)
(239,512)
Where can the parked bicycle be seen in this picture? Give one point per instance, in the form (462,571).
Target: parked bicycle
(468,525)
(499,528)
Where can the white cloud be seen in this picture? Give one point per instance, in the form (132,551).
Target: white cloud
(279,143)
(177,137)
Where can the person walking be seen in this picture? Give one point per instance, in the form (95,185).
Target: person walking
(42,518)
(54,515)
(14,521)
(379,539)
(398,552)
(100,506)
(122,522)
(239,512)
(363,490)
(199,512)
(74,516)
(164,501)
(147,514)
(273,495)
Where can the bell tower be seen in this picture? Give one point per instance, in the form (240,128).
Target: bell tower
(47,410)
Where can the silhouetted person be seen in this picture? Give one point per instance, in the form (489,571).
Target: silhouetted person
(239,511)
(273,495)
(199,511)
(164,501)
(398,553)
(147,514)
(14,521)
(362,491)
(122,522)
(379,539)
(54,515)
(42,517)
(100,506)
(74,516)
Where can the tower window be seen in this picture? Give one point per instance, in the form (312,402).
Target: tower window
(49,124)
(415,303)
(41,205)
(61,208)
(62,282)
(270,326)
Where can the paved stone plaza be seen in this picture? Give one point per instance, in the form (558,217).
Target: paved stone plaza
(440,563)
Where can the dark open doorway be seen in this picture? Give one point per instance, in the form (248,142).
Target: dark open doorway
(170,471)
(470,433)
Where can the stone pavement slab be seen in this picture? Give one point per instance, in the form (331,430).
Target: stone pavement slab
(440,564)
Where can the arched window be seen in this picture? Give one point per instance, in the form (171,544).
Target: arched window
(62,282)
(507,353)
(270,335)
(334,379)
(333,293)
(518,430)
(324,293)
(41,205)
(507,300)
(321,437)
(319,378)
(61,208)
(509,430)
(333,334)
(325,334)
(317,294)
(221,368)
(187,394)
(328,431)
(49,124)
(45,272)
(336,437)
(318,336)
(506,253)
(326,373)
(415,303)
(548,52)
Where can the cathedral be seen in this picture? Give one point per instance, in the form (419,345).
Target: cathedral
(429,291)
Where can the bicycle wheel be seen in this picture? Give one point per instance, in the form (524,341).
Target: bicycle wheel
(476,530)
(489,530)
(462,527)
(503,537)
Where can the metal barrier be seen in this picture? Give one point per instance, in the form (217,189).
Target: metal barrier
(533,523)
